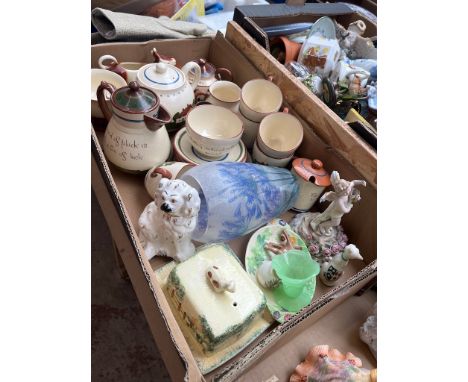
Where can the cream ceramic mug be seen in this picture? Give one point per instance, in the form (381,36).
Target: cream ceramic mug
(259,98)
(127,70)
(222,93)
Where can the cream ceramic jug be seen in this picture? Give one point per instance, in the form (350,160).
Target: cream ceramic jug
(136,138)
(172,86)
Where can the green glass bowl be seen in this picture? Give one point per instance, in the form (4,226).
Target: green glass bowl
(295,269)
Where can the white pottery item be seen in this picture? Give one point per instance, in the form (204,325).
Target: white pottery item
(312,179)
(210,74)
(184,151)
(324,27)
(344,72)
(259,98)
(279,135)
(250,130)
(169,170)
(167,222)
(213,130)
(259,157)
(172,86)
(136,138)
(97,76)
(225,94)
(331,271)
(127,70)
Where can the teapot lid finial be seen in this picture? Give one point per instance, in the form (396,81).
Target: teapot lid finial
(161,67)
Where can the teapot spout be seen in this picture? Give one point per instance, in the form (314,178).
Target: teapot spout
(154,121)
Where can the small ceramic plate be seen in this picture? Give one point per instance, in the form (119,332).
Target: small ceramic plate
(210,361)
(255,255)
(183,151)
(325,27)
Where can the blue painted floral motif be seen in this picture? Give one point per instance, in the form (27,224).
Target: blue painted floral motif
(239,198)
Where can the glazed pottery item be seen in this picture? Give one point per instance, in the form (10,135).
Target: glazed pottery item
(250,130)
(284,50)
(312,179)
(368,331)
(127,70)
(315,83)
(167,222)
(322,231)
(184,151)
(367,64)
(372,97)
(346,73)
(298,70)
(207,361)
(323,364)
(321,51)
(331,271)
(295,269)
(213,130)
(97,76)
(222,93)
(279,135)
(169,170)
(353,44)
(237,198)
(136,138)
(172,86)
(231,308)
(265,243)
(210,74)
(259,157)
(259,98)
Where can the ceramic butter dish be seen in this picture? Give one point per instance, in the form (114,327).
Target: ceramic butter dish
(215,296)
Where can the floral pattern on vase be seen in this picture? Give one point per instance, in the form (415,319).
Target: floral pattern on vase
(237,198)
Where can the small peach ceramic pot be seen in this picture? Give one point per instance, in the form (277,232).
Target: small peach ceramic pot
(127,70)
(284,50)
(312,179)
(223,93)
(279,135)
(213,130)
(261,158)
(97,76)
(259,98)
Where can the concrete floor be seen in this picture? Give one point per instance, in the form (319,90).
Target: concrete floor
(122,347)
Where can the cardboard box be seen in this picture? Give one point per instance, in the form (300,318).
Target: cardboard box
(123,197)
(324,122)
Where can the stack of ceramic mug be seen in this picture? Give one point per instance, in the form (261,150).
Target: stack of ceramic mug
(273,136)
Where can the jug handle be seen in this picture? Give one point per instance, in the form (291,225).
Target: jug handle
(104,58)
(154,122)
(223,74)
(188,68)
(102,100)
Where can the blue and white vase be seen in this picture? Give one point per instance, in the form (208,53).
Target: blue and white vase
(238,198)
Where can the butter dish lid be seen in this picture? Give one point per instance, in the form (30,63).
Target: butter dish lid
(311,170)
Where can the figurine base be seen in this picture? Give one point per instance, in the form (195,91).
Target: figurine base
(321,247)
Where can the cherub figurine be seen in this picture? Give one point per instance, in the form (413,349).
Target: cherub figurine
(342,200)
(322,232)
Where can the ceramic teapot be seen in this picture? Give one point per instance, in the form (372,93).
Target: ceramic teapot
(210,74)
(173,87)
(136,138)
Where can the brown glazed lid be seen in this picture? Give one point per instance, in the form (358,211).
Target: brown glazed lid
(311,170)
(135,99)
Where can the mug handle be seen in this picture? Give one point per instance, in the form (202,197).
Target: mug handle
(188,67)
(102,100)
(104,58)
(223,74)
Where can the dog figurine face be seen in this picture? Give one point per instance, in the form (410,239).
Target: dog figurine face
(176,198)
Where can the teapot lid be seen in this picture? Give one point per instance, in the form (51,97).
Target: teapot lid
(134,99)
(161,76)
(307,169)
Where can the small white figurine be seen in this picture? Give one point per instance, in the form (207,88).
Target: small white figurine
(342,200)
(167,222)
(331,271)
(219,281)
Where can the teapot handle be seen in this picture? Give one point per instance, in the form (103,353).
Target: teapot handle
(223,74)
(102,100)
(104,58)
(188,67)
